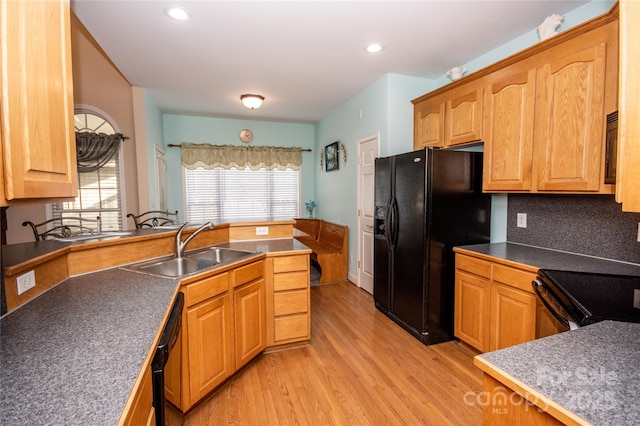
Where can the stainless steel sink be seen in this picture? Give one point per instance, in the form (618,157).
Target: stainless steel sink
(218,255)
(192,263)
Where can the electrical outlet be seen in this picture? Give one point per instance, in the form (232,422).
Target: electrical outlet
(521,221)
(636,298)
(26,282)
(262,230)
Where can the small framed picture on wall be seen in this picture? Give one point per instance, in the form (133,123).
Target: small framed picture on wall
(331,156)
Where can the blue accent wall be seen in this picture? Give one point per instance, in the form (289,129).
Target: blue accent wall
(386,110)
(225,131)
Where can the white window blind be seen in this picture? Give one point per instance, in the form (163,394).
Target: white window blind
(98,195)
(240,195)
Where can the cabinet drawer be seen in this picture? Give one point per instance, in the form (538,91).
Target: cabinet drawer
(291,327)
(248,273)
(207,288)
(473,265)
(513,277)
(290,281)
(290,302)
(290,263)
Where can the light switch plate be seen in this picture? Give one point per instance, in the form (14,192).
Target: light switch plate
(262,230)
(26,281)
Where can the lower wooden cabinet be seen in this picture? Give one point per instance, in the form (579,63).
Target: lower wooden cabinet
(513,316)
(472,309)
(504,406)
(250,322)
(289,290)
(141,412)
(224,327)
(495,306)
(209,329)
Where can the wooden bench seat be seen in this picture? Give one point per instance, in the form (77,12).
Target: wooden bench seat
(329,243)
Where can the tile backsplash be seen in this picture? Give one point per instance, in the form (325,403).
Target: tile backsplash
(586,224)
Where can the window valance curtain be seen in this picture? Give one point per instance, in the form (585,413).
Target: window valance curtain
(227,156)
(94,150)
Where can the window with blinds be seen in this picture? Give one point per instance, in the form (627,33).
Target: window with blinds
(241,195)
(98,195)
(99,191)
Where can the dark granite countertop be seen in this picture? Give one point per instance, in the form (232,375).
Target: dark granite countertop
(72,355)
(594,372)
(553,259)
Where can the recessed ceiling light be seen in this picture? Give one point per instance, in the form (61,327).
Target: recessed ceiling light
(177,13)
(374,48)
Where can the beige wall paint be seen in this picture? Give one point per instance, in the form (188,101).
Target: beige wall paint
(144,203)
(98,83)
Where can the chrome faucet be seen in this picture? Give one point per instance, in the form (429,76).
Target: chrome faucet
(182,245)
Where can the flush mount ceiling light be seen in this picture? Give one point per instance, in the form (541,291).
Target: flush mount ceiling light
(374,48)
(177,13)
(252,101)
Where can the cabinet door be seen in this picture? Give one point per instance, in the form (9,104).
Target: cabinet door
(428,124)
(463,117)
(210,339)
(250,322)
(141,412)
(472,309)
(628,172)
(38,138)
(569,121)
(513,317)
(508,130)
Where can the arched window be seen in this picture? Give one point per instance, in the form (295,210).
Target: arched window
(99,191)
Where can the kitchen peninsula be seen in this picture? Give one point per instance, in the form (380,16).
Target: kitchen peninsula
(586,376)
(79,352)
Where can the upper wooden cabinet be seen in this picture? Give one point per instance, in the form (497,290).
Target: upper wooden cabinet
(463,116)
(628,168)
(508,124)
(429,123)
(569,135)
(452,119)
(541,113)
(38,158)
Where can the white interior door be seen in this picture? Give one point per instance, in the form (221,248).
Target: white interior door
(367,153)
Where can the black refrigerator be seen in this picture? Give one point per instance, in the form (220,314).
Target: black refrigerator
(426,202)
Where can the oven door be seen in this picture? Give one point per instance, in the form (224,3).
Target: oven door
(585,298)
(554,304)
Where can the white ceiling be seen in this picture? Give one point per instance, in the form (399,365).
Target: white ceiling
(306,57)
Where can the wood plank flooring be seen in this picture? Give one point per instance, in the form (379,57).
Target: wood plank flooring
(359,369)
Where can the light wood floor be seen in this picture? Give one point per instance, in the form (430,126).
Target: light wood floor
(359,369)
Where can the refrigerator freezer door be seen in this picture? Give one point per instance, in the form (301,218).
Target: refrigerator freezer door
(381,254)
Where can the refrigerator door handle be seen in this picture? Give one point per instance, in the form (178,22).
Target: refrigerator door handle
(387,220)
(393,224)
